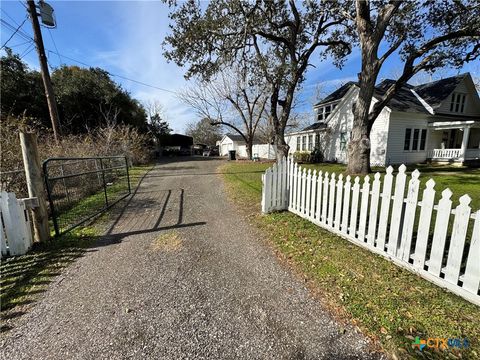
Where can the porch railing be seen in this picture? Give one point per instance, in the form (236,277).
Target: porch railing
(445,153)
(454,154)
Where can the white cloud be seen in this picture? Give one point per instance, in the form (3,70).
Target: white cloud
(136,53)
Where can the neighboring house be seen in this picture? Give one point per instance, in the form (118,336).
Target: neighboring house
(237,143)
(438,121)
(230,142)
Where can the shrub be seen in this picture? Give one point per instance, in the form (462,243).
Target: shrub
(105,141)
(301,157)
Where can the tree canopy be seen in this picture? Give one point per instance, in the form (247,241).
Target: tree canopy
(425,35)
(276,40)
(87,98)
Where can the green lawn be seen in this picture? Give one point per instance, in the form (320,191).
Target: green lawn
(388,303)
(94,203)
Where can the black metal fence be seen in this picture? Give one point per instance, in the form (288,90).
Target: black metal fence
(78,189)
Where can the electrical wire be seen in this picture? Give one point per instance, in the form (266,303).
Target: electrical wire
(116,75)
(55,45)
(16,30)
(25,36)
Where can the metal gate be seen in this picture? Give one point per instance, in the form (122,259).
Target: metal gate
(79,189)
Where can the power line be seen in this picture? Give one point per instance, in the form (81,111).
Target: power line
(13,29)
(27,51)
(13,20)
(55,45)
(116,75)
(16,30)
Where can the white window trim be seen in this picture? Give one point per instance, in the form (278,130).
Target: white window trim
(410,146)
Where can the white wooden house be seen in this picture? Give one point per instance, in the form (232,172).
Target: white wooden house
(438,121)
(237,143)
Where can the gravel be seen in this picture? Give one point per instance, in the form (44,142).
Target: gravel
(181,274)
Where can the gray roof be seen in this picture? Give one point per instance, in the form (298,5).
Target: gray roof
(337,94)
(434,93)
(239,138)
(315,126)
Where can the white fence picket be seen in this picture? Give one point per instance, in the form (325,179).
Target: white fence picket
(409,218)
(346,204)
(331,200)
(457,242)
(314,195)
(323,218)
(17,225)
(354,212)
(303,192)
(319,196)
(397,211)
(3,240)
(424,222)
(364,208)
(308,193)
(372,217)
(295,187)
(471,278)
(337,205)
(385,209)
(440,233)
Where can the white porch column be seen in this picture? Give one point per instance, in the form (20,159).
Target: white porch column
(466,134)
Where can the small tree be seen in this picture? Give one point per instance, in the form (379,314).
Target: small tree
(203,132)
(427,34)
(231,99)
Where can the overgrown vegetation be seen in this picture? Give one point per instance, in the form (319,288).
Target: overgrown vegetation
(107,140)
(388,303)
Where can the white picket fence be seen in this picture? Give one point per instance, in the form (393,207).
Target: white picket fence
(16,236)
(437,242)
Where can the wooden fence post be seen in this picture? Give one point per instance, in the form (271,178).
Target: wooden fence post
(35,184)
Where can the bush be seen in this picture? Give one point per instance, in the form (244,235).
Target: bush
(316,156)
(301,157)
(105,141)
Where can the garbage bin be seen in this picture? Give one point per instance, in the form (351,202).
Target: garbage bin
(231,155)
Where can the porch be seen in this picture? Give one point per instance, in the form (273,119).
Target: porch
(454,141)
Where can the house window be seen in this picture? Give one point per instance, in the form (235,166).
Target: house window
(416,133)
(458,103)
(299,140)
(423,139)
(310,142)
(343,141)
(328,110)
(304,143)
(317,141)
(324,112)
(408,135)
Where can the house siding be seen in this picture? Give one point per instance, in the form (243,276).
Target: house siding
(471,101)
(399,122)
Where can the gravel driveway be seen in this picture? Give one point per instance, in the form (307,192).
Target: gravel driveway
(180,274)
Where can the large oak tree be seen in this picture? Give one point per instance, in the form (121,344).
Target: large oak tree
(425,35)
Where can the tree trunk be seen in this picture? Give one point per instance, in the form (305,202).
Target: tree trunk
(282,147)
(359,156)
(249,146)
(359,145)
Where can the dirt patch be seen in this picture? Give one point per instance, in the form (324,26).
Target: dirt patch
(168,242)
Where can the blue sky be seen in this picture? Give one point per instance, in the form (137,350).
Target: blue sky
(124,37)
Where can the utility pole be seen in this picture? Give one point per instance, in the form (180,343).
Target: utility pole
(47,82)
